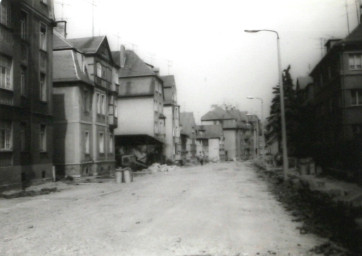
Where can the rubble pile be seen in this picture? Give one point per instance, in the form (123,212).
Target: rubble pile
(318,213)
(156,167)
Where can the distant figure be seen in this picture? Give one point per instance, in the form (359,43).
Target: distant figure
(201,157)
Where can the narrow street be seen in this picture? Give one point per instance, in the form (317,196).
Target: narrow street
(216,209)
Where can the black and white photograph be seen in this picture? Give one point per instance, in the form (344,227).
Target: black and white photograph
(180,128)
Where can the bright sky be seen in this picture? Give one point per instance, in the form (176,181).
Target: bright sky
(213,60)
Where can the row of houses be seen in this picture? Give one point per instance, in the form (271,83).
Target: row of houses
(71,106)
(224,134)
(332,94)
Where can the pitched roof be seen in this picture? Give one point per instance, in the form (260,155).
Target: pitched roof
(169,81)
(303,82)
(60,43)
(238,115)
(211,131)
(168,95)
(217,113)
(87,44)
(116,57)
(135,66)
(221,114)
(134,89)
(67,67)
(187,121)
(354,36)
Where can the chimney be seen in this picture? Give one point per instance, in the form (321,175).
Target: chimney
(156,70)
(122,56)
(61,27)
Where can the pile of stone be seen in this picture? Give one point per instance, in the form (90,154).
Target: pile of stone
(156,167)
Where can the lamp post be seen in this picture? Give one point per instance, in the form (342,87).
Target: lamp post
(282,110)
(261,117)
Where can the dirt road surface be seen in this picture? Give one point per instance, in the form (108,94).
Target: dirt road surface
(216,209)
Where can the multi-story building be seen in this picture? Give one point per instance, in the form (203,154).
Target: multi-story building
(188,136)
(85,88)
(335,101)
(141,122)
(210,142)
(171,110)
(236,131)
(25,91)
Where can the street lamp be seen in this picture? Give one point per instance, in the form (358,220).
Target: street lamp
(282,110)
(262,117)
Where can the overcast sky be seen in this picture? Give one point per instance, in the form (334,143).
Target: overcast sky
(213,60)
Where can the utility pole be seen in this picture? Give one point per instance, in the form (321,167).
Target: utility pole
(93,5)
(346,5)
(61,3)
(358,6)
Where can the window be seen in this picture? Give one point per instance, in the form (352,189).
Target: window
(43,88)
(101,142)
(103,104)
(23,81)
(86,101)
(110,143)
(98,99)
(99,70)
(23,137)
(6,135)
(355,61)
(43,37)
(24,52)
(43,138)
(86,142)
(356,97)
(43,59)
(115,109)
(5,73)
(155,105)
(23,25)
(5,18)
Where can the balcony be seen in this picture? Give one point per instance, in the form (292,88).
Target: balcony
(112,121)
(103,83)
(114,87)
(6,39)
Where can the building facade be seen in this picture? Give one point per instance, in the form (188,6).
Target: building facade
(141,122)
(85,89)
(26,114)
(171,111)
(236,130)
(188,137)
(210,142)
(335,101)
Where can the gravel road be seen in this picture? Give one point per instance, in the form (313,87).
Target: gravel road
(215,209)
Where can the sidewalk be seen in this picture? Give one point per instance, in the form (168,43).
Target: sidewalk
(341,191)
